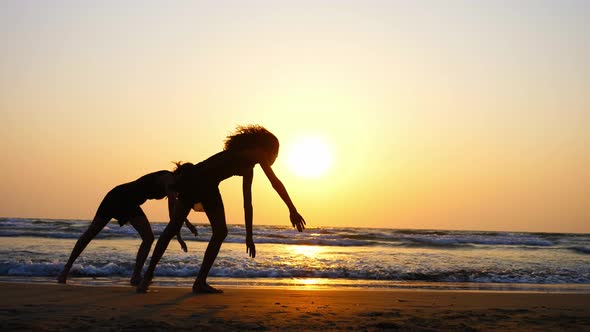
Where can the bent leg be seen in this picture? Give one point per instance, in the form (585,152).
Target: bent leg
(94,228)
(142,226)
(181,211)
(216,215)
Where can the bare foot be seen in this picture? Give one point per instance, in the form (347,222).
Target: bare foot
(62,278)
(141,289)
(143,286)
(205,288)
(135,280)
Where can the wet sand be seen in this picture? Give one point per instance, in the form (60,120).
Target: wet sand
(53,307)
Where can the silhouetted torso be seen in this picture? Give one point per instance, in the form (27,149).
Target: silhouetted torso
(204,178)
(149,186)
(224,164)
(123,202)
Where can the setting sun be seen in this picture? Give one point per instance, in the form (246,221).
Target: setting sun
(309,157)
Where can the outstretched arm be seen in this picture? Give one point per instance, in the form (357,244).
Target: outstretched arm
(248,212)
(296,219)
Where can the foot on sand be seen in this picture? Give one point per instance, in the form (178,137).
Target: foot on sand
(135,280)
(62,278)
(143,285)
(205,288)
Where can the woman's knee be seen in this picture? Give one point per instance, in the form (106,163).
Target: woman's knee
(216,214)
(148,238)
(220,232)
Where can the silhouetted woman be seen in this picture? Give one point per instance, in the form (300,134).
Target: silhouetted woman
(123,203)
(199,183)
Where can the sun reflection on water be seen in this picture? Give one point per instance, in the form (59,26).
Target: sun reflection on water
(308,251)
(310,283)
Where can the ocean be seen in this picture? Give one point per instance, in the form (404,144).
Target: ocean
(34,250)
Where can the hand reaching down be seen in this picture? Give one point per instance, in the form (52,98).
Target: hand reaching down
(250,247)
(191,227)
(182,244)
(297,221)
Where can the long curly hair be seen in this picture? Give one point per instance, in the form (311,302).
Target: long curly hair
(252,136)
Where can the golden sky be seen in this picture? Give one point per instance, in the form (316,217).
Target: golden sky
(440,115)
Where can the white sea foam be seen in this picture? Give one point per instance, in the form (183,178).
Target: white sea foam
(39,248)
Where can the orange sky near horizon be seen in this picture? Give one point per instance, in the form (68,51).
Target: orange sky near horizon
(469,117)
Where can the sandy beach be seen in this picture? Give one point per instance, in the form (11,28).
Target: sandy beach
(48,307)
